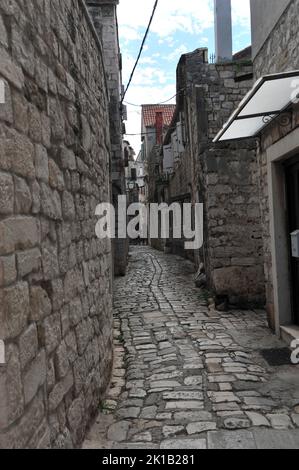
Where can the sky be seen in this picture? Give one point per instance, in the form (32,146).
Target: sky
(179,26)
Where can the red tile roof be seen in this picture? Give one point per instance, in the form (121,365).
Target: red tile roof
(149,113)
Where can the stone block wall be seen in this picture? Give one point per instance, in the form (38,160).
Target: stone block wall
(180,182)
(280,51)
(104,16)
(156,188)
(228,186)
(224,177)
(180,192)
(278,54)
(233,243)
(55,275)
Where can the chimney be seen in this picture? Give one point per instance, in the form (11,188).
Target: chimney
(159,128)
(223,31)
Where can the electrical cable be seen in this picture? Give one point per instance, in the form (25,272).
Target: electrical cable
(146,133)
(155,104)
(150,133)
(141,48)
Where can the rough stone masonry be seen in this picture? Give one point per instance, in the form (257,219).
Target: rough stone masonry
(55,275)
(104,16)
(224,177)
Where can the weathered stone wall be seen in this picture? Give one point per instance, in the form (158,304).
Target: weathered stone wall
(55,275)
(156,187)
(224,179)
(180,182)
(180,191)
(264,16)
(280,51)
(233,249)
(104,16)
(278,54)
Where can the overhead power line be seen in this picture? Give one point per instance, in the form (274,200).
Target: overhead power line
(162,102)
(155,104)
(150,133)
(145,133)
(141,48)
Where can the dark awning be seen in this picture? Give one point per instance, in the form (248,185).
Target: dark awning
(270,96)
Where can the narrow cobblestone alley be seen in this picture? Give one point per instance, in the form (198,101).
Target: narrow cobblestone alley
(186,376)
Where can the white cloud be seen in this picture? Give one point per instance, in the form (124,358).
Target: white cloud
(147,60)
(129,33)
(171,16)
(241,13)
(149,76)
(177,53)
(154,80)
(128,63)
(174,15)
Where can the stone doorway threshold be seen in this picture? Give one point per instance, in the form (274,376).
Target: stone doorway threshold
(289,333)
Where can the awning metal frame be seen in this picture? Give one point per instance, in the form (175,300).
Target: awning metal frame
(268,116)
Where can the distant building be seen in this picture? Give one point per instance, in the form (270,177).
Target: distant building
(135,175)
(155,121)
(141,179)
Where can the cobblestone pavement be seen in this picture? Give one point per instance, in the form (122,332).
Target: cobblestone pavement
(187,376)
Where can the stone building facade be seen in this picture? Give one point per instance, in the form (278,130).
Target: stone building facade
(155,122)
(104,15)
(55,275)
(222,177)
(277,52)
(135,176)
